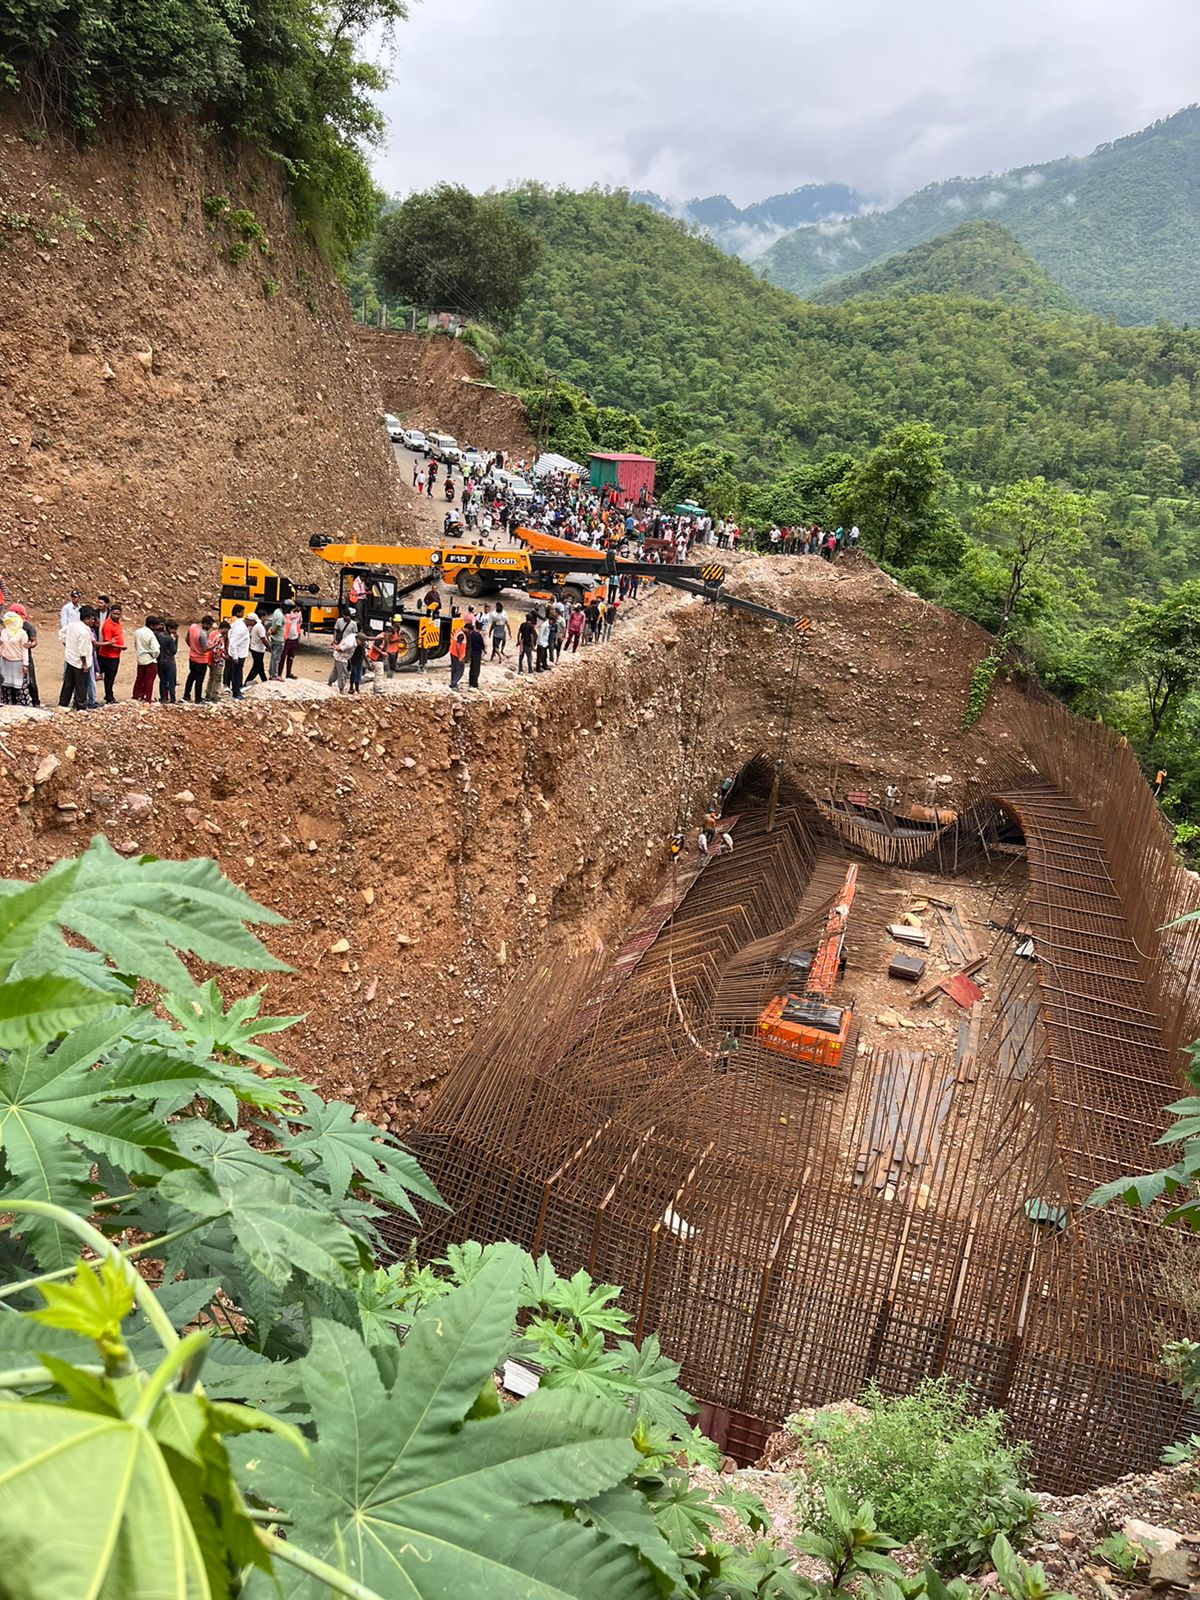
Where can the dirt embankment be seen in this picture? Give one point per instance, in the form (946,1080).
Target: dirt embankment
(446,839)
(177,371)
(432,381)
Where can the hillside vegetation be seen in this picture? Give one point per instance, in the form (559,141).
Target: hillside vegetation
(1118,229)
(632,309)
(981,260)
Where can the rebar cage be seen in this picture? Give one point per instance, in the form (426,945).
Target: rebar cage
(792,1235)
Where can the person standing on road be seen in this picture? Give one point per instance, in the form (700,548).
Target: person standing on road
(574,629)
(145,650)
(476,640)
(610,617)
(543,644)
(500,632)
(218,646)
(377,661)
(344,646)
(274,627)
(112,645)
(14,656)
(31,637)
(199,658)
(239,649)
(258,649)
(458,655)
(293,621)
(167,634)
(69,612)
(526,640)
(78,642)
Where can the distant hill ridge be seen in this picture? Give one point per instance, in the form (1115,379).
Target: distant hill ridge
(978,260)
(748,231)
(1118,229)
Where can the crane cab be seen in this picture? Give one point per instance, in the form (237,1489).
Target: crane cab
(807,1028)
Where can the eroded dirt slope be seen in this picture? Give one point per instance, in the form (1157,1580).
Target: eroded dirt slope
(162,400)
(431,381)
(447,839)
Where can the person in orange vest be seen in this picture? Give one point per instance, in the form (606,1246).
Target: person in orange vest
(458,656)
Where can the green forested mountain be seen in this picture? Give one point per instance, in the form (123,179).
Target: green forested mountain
(638,313)
(979,260)
(1118,229)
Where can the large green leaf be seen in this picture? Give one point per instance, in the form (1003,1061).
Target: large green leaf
(407,1497)
(139,912)
(33,1010)
(62,1106)
(343,1148)
(279,1235)
(88,1507)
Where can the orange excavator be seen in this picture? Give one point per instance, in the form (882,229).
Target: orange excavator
(810,1026)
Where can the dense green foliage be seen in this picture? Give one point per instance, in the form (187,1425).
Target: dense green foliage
(284,74)
(1119,230)
(630,308)
(454,251)
(980,260)
(938,1472)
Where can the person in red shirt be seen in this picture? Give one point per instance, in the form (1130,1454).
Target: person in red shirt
(112,643)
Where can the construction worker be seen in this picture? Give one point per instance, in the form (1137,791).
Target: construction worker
(458,656)
(432,601)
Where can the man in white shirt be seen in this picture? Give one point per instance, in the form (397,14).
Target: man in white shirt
(238,650)
(68,614)
(77,659)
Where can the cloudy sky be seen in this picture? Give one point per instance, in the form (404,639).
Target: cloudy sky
(694,97)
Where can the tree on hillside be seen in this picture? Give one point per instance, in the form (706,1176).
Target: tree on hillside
(450,249)
(1160,645)
(896,496)
(1034,525)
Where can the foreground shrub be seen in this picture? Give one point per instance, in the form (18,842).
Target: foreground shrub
(935,1471)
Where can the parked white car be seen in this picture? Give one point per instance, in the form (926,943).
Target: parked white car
(414,439)
(395,428)
(513,484)
(473,459)
(443,447)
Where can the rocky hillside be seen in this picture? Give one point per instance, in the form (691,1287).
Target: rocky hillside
(177,371)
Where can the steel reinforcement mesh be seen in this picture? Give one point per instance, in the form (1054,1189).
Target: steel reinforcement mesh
(790,1236)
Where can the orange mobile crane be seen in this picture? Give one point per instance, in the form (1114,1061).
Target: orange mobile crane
(810,1026)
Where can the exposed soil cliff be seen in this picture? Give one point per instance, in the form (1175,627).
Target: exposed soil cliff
(177,371)
(431,381)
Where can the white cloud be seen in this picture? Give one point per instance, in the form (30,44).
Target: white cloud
(994,199)
(954,202)
(680,97)
(1031,180)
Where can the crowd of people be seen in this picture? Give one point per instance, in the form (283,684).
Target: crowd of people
(229,654)
(564,503)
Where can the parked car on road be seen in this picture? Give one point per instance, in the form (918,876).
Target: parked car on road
(513,484)
(473,459)
(443,447)
(395,428)
(414,439)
